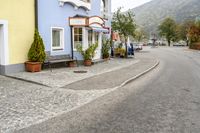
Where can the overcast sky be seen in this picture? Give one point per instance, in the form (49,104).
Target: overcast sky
(127,4)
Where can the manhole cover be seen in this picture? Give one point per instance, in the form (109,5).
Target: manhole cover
(80,71)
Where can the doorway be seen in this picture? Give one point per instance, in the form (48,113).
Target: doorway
(97,37)
(3,45)
(1,42)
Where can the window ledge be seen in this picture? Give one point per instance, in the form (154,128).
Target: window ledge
(61,49)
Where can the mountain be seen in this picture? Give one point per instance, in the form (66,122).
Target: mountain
(151,14)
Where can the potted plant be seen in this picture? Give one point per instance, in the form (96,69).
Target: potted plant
(105,49)
(36,54)
(72,64)
(88,53)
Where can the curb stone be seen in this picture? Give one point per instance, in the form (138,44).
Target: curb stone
(139,75)
(25,80)
(135,77)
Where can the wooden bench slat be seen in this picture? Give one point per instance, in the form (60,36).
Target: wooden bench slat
(57,59)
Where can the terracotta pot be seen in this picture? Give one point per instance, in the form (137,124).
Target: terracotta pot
(72,64)
(106,59)
(87,62)
(33,66)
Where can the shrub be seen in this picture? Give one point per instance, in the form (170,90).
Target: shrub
(89,53)
(105,48)
(37,51)
(195,46)
(194,32)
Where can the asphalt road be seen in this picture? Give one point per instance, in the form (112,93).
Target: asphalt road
(166,100)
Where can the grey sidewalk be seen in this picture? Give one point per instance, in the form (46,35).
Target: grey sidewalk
(112,79)
(24,104)
(63,76)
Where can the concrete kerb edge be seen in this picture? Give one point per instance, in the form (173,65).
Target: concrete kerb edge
(29,81)
(137,61)
(139,75)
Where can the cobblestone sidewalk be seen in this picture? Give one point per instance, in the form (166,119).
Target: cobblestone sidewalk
(64,76)
(23,104)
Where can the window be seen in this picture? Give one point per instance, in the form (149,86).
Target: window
(57,39)
(90,37)
(78,37)
(96,37)
(102,6)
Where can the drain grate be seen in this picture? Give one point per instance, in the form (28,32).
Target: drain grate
(80,71)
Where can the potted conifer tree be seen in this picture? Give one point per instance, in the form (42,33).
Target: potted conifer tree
(36,54)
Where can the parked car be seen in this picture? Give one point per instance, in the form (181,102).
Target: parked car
(180,43)
(138,47)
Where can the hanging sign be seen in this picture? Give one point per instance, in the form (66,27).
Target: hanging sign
(96,20)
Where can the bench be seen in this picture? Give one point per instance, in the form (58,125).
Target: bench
(57,59)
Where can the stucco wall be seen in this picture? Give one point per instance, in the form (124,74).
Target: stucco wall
(53,15)
(21,21)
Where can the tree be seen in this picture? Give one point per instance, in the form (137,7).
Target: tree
(124,23)
(37,51)
(168,29)
(139,35)
(194,32)
(183,29)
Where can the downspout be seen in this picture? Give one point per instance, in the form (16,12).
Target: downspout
(36,14)
(72,52)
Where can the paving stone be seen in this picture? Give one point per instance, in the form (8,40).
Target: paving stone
(23,104)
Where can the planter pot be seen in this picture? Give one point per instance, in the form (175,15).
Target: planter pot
(33,66)
(87,62)
(107,58)
(72,64)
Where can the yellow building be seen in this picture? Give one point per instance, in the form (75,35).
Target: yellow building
(17,24)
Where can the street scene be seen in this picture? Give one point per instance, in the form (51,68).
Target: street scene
(99,66)
(164,100)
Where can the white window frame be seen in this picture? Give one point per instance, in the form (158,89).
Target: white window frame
(4,48)
(88,37)
(74,49)
(62,39)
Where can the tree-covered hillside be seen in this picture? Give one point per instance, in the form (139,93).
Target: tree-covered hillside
(151,14)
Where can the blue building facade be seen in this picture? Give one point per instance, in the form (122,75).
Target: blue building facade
(61,34)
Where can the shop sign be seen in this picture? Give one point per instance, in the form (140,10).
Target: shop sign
(77,21)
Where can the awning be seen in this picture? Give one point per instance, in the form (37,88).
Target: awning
(98,29)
